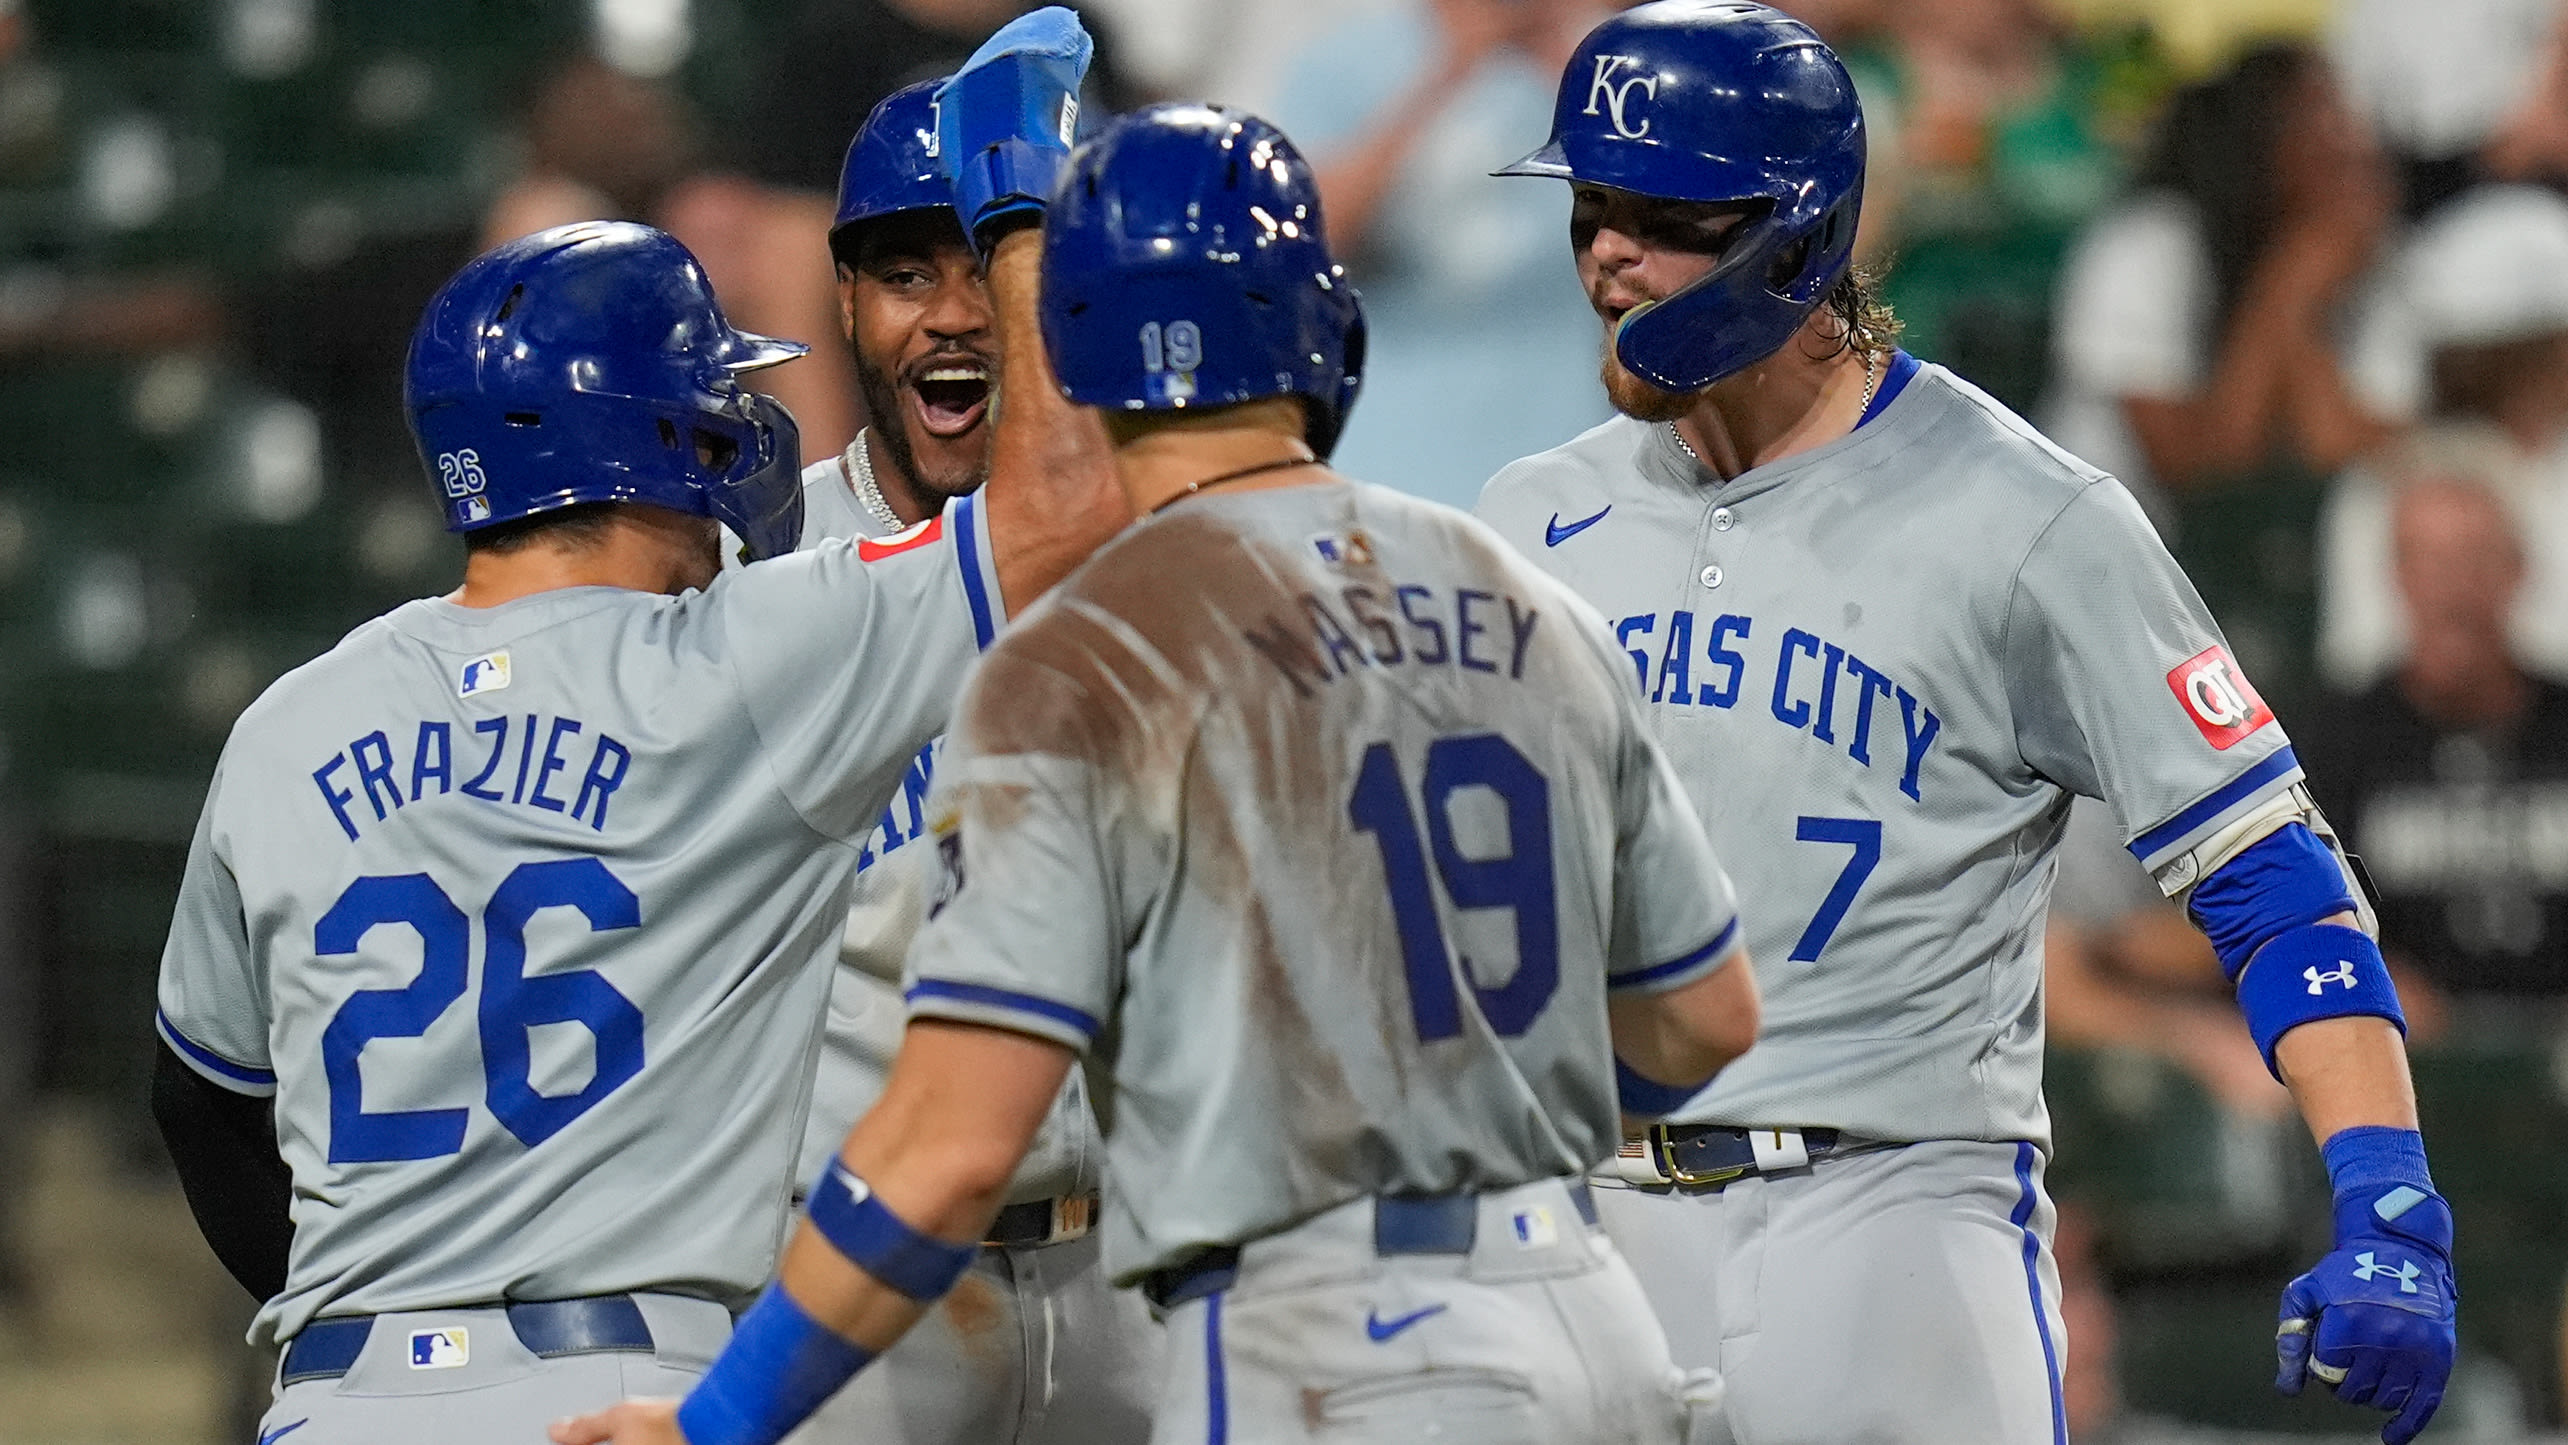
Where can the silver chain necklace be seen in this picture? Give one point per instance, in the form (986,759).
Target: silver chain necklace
(1872,378)
(860,471)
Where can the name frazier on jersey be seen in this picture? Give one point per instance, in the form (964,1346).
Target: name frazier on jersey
(1329,647)
(370,766)
(1805,692)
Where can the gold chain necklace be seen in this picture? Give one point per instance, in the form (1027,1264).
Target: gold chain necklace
(1872,378)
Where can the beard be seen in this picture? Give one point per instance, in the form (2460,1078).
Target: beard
(891,427)
(1634,397)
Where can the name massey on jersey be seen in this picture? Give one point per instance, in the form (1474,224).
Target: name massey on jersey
(506,765)
(1817,686)
(1406,623)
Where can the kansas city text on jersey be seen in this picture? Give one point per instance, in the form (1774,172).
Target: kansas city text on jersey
(1803,669)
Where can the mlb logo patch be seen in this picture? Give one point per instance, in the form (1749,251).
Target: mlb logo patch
(2217,696)
(444,1349)
(476,509)
(1350,549)
(486,673)
(1534,1228)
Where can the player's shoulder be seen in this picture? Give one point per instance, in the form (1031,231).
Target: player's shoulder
(1472,535)
(1961,451)
(1484,548)
(1601,462)
(1973,434)
(351,661)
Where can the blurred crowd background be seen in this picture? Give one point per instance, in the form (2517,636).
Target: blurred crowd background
(2296,270)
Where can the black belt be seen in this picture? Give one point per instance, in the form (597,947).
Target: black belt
(1039,1222)
(598,1324)
(1402,1224)
(1707,1156)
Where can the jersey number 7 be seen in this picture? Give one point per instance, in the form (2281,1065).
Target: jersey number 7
(1519,880)
(1864,836)
(511,1004)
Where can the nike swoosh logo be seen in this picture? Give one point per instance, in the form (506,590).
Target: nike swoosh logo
(1374,1325)
(281,1431)
(1554,533)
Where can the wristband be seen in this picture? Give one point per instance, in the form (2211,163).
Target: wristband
(2380,1180)
(2375,1156)
(2286,879)
(843,1208)
(1647,1097)
(780,1365)
(2316,971)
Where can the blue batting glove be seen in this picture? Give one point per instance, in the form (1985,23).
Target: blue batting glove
(1004,122)
(2374,1319)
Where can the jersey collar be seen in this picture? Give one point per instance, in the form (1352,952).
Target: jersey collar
(1879,436)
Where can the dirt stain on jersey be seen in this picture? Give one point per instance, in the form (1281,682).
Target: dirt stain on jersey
(1144,669)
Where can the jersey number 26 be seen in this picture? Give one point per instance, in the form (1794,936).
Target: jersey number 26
(512,1004)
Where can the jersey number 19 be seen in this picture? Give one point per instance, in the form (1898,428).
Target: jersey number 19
(1519,880)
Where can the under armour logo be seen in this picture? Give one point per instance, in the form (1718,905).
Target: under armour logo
(2406,1273)
(1617,93)
(2343,973)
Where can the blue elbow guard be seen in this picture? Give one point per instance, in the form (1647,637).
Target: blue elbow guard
(845,1211)
(780,1365)
(2317,971)
(1647,1097)
(2286,879)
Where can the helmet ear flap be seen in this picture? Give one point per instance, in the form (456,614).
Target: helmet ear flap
(759,494)
(1328,416)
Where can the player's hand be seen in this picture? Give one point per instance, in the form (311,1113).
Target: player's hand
(1004,122)
(2374,1319)
(635,1422)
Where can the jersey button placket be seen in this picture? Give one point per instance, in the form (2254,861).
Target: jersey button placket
(1722,519)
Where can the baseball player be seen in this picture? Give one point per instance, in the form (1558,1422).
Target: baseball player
(1885,631)
(1036,1345)
(1325,829)
(518,906)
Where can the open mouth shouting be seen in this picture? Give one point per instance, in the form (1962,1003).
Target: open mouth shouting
(949,394)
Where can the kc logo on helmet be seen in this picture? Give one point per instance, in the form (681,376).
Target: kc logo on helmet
(1611,85)
(2218,698)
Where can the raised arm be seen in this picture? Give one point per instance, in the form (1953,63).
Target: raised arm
(1052,497)
(1004,123)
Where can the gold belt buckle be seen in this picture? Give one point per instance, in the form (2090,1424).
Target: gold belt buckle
(1665,1142)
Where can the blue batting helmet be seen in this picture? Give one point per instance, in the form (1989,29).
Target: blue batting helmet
(891,165)
(590,363)
(1723,102)
(1184,264)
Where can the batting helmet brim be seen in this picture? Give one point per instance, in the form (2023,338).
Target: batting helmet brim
(1547,163)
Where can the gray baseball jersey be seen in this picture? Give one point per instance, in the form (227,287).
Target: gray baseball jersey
(1321,821)
(1882,666)
(524,914)
(865,1014)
